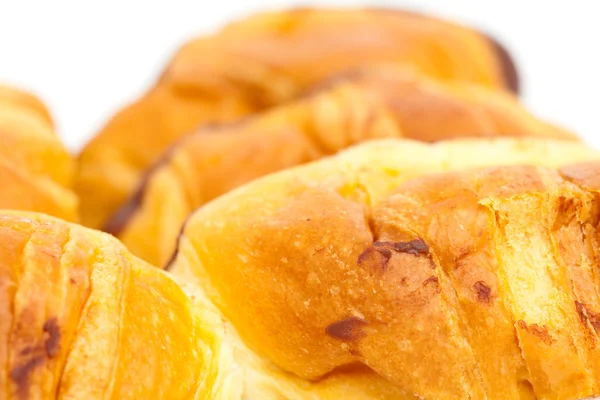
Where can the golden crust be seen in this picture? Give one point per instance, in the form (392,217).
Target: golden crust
(81,318)
(35,168)
(366,274)
(361,105)
(26,101)
(264,60)
(469,284)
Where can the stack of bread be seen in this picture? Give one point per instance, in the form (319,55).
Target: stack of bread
(308,204)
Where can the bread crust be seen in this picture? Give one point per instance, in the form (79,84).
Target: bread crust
(36,170)
(264,60)
(354,107)
(81,318)
(474,283)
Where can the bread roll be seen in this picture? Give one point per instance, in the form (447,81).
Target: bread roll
(340,278)
(477,283)
(80,318)
(360,105)
(261,61)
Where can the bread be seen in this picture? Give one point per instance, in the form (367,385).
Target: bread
(321,282)
(396,269)
(261,61)
(36,170)
(477,283)
(80,318)
(13,96)
(362,105)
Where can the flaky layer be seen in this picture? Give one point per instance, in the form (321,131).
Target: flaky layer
(479,283)
(261,61)
(80,318)
(358,106)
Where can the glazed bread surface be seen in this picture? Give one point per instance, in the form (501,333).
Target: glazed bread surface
(261,61)
(472,283)
(357,106)
(81,318)
(368,275)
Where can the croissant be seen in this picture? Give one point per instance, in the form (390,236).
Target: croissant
(84,319)
(346,279)
(261,61)
(361,105)
(36,170)
(81,318)
(343,278)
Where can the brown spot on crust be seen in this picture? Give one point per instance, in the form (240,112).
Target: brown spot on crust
(537,330)
(53,342)
(354,352)
(379,253)
(347,330)
(375,256)
(35,356)
(415,247)
(580,311)
(20,374)
(585,315)
(27,350)
(484,293)
(510,75)
(432,280)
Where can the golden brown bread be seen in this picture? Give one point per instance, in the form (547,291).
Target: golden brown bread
(36,170)
(80,318)
(340,278)
(362,105)
(479,283)
(257,62)
(17,97)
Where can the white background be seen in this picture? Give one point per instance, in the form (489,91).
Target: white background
(87,59)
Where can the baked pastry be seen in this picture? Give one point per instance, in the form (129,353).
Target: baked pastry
(477,283)
(80,318)
(261,61)
(36,170)
(10,95)
(362,105)
(322,282)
